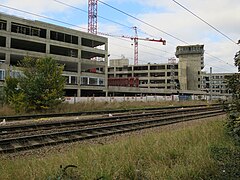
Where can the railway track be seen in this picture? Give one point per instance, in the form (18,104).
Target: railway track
(81,123)
(86,129)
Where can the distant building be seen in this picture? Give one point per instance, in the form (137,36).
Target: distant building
(215,83)
(151,76)
(186,76)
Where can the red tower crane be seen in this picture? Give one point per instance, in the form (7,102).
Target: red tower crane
(136,38)
(92,28)
(92,16)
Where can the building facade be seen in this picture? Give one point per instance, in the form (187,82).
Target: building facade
(215,83)
(190,64)
(151,76)
(84,55)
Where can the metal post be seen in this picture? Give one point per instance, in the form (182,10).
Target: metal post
(210,83)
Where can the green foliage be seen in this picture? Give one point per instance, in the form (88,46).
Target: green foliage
(14,95)
(39,88)
(177,152)
(233,123)
(2,95)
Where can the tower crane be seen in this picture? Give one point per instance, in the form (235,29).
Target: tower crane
(92,28)
(136,38)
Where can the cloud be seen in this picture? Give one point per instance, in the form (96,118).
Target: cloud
(176,21)
(164,15)
(43,6)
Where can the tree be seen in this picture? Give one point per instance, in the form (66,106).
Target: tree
(40,87)
(234,110)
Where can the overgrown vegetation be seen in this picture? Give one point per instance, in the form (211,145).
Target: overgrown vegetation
(94,106)
(40,87)
(197,151)
(1,97)
(234,110)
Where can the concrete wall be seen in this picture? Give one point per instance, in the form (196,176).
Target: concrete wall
(72,100)
(190,65)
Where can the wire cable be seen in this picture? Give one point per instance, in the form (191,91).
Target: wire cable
(45,17)
(140,29)
(219,59)
(59,21)
(74,7)
(158,28)
(201,19)
(154,27)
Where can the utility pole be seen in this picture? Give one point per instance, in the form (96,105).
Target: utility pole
(210,83)
(172,63)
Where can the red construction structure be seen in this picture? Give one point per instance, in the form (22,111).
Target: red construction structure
(136,38)
(92,28)
(124,82)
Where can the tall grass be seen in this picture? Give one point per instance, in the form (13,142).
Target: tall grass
(183,153)
(93,106)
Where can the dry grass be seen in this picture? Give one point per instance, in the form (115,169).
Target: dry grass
(6,110)
(177,154)
(94,106)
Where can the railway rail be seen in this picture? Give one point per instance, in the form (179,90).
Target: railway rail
(81,123)
(86,129)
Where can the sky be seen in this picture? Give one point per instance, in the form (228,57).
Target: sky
(154,19)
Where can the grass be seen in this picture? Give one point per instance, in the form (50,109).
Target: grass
(188,152)
(93,106)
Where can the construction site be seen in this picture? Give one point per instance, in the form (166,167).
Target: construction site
(89,72)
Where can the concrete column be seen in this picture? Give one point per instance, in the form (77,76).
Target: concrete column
(48,34)
(47,48)
(9,26)
(48,40)
(79,93)
(7,58)
(8,42)
(79,68)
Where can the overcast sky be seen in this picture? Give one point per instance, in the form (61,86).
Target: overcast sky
(168,18)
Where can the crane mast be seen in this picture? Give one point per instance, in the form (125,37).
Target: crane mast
(135,46)
(92,16)
(92,28)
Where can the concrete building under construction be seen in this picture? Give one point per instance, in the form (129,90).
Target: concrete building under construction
(184,75)
(84,55)
(85,59)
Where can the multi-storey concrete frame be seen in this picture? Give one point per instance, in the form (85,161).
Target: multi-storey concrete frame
(151,76)
(84,55)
